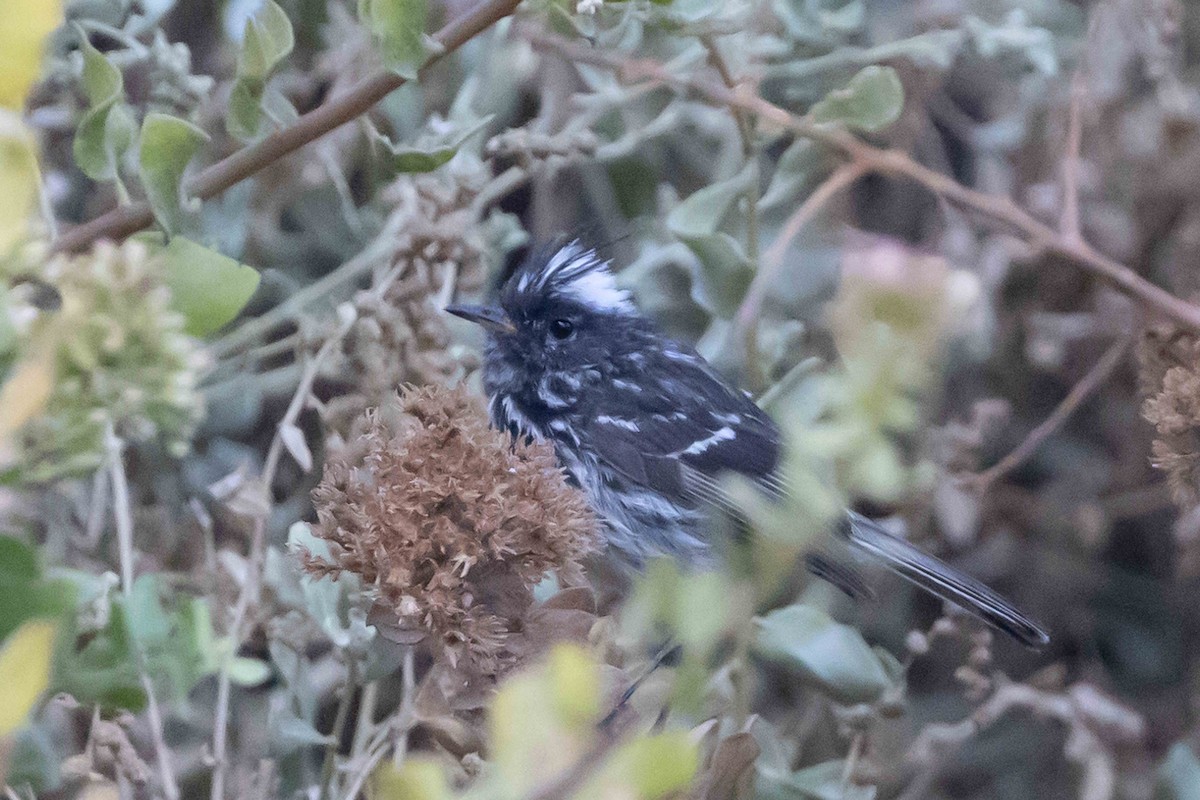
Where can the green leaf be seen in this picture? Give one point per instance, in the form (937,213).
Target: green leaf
(871,101)
(268,40)
(168,144)
(832,656)
(411,159)
(399,27)
(1178,774)
(106,130)
(24,594)
(17,560)
(424,157)
(819,782)
(208,288)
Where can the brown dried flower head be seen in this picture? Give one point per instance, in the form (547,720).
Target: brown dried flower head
(1170,379)
(450,523)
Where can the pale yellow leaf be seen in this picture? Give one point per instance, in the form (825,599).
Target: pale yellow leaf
(27,23)
(19,180)
(25,393)
(24,671)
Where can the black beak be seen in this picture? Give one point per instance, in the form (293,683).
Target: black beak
(494,319)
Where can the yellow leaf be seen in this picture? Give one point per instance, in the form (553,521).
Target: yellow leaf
(24,671)
(415,779)
(26,392)
(27,23)
(575,681)
(19,180)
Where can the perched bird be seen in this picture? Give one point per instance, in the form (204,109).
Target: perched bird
(645,426)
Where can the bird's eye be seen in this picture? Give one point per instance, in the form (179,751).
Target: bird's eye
(562,328)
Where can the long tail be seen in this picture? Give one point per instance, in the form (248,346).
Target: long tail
(942,580)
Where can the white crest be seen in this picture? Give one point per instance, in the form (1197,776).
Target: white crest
(579,274)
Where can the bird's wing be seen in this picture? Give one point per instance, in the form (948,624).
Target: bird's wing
(677,433)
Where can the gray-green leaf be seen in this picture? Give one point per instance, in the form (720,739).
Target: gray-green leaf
(425,156)
(208,288)
(107,128)
(832,656)
(399,27)
(871,101)
(168,144)
(725,270)
(267,42)
(799,166)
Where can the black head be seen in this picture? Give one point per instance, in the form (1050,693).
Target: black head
(560,311)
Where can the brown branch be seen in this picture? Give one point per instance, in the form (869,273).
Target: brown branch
(356,101)
(1093,380)
(897,164)
(744,122)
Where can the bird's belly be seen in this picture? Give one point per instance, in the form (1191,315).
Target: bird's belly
(639,524)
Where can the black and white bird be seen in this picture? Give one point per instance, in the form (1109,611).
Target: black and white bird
(645,426)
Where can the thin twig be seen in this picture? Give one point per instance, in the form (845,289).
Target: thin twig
(123,518)
(744,121)
(408,700)
(1093,380)
(356,101)
(747,317)
(339,728)
(122,512)
(366,718)
(1069,225)
(895,163)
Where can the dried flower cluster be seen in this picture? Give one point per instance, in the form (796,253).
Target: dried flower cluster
(450,524)
(120,353)
(1170,380)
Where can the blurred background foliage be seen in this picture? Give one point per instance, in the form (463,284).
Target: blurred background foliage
(887,220)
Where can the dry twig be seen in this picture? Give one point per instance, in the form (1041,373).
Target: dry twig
(1093,380)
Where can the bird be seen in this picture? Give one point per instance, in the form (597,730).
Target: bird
(647,428)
